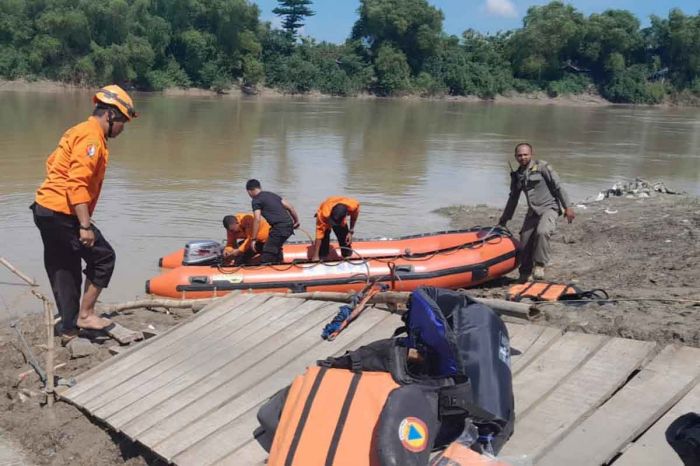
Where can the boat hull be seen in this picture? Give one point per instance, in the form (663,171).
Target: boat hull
(460,267)
(362,249)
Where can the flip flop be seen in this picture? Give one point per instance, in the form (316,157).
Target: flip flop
(94,333)
(67,337)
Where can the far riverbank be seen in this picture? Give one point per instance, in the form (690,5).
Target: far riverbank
(534,98)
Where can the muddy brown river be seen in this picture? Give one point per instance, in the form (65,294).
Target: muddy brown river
(179,168)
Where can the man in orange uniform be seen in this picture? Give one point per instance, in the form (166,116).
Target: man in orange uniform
(64,205)
(332,214)
(240,227)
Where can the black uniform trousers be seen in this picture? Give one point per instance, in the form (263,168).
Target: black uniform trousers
(341,232)
(63,252)
(246,257)
(272,251)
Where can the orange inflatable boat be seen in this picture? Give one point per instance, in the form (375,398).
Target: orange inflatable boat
(362,249)
(490,255)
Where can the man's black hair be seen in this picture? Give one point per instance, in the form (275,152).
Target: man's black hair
(524,144)
(102,108)
(252,184)
(229,220)
(338,214)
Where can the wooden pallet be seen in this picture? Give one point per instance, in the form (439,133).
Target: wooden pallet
(191,393)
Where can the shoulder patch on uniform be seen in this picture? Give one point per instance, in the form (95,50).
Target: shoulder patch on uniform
(91,150)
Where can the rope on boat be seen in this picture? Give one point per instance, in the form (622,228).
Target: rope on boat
(493,236)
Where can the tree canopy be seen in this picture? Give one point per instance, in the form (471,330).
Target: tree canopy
(395,47)
(293,13)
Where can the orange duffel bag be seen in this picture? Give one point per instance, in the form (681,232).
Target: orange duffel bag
(324,420)
(551,291)
(393,401)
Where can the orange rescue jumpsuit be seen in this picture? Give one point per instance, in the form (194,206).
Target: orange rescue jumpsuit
(325,222)
(246,220)
(75,171)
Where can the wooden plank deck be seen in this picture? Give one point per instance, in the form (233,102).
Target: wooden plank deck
(191,394)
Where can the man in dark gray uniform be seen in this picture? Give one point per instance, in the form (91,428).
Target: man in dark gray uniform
(546,200)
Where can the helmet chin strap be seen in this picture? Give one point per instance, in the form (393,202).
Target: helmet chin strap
(110,120)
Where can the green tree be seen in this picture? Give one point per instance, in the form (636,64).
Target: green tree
(612,32)
(293,14)
(413,27)
(393,72)
(676,41)
(550,37)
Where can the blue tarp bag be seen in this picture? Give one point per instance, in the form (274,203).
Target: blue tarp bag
(465,340)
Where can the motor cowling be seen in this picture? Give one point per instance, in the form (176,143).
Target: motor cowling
(203,252)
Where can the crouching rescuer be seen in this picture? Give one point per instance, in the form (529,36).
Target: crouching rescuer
(443,379)
(63,208)
(332,214)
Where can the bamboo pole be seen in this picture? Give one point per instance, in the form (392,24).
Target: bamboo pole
(502,307)
(49,353)
(694,302)
(151,302)
(50,349)
(29,280)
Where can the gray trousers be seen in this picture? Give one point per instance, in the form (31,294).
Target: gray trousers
(534,239)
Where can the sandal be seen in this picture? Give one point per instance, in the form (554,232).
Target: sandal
(68,337)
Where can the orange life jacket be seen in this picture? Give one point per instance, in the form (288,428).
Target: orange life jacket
(328,416)
(378,406)
(550,291)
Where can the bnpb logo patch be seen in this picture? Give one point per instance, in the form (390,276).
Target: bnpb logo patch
(91,150)
(413,434)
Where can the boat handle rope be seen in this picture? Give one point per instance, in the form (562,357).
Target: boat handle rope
(492,234)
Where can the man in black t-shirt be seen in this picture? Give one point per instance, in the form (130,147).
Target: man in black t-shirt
(281,216)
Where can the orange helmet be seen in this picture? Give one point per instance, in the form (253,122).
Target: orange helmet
(117,97)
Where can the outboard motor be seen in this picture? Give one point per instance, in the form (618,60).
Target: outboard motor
(203,252)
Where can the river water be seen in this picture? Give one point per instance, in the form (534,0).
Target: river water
(180,167)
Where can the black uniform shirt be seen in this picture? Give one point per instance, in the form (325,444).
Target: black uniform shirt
(270,206)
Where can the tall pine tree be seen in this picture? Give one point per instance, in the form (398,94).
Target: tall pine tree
(293,13)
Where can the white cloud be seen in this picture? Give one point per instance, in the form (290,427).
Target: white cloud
(504,8)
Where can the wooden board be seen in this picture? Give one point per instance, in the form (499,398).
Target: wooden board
(162,367)
(189,389)
(192,393)
(268,321)
(212,439)
(158,345)
(577,397)
(548,369)
(532,346)
(652,449)
(513,329)
(232,300)
(383,330)
(149,362)
(251,454)
(656,388)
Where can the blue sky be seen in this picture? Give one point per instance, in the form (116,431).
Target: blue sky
(334,18)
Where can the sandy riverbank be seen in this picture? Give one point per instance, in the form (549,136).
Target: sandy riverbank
(642,248)
(535,98)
